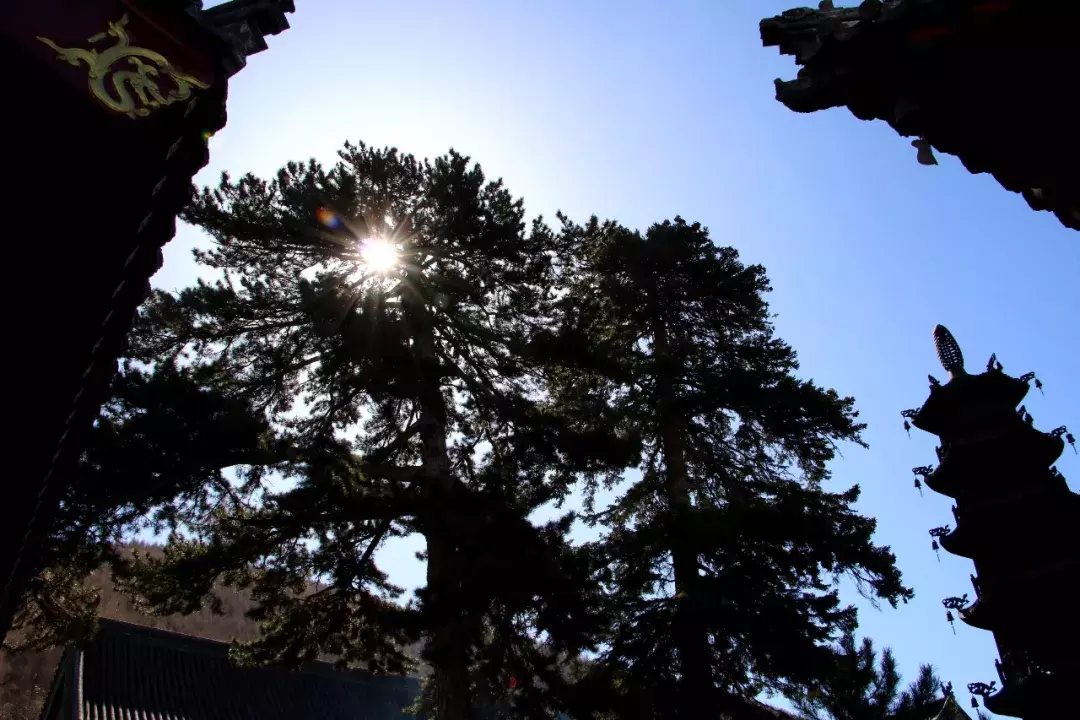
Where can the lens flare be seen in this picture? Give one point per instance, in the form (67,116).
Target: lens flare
(328,218)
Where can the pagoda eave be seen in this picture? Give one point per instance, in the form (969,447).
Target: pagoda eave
(1033,696)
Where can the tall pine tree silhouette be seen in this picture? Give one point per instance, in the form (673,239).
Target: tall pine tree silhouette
(723,554)
(381,313)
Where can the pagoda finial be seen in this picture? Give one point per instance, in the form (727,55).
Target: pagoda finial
(948,351)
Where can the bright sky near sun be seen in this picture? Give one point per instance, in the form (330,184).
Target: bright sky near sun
(639,111)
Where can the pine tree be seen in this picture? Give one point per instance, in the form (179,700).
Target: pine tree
(862,687)
(162,440)
(411,401)
(723,555)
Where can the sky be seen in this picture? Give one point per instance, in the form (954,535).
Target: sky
(640,111)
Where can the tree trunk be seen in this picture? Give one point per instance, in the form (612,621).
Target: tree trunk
(448,643)
(448,650)
(696,693)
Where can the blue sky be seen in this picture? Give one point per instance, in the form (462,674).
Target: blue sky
(640,111)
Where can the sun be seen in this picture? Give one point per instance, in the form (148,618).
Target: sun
(378,255)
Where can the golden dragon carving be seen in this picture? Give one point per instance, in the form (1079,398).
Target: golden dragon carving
(132,90)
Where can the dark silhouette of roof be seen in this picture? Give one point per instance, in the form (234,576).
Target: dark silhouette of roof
(133,177)
(985,80)
(133,672)
(246,23)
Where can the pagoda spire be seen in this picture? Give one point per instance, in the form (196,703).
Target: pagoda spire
(948,351)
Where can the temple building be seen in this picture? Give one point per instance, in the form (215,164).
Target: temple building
(108,108)
(1017,520)
(990,81)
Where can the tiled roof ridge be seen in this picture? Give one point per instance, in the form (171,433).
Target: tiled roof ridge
(802,32)
(186,641)
(114,624)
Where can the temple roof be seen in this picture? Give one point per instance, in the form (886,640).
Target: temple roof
(133,671)
(985,80)
(246,23)
(951,711)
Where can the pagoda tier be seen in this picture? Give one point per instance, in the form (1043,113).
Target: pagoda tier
(1038,513)
(1017,520)
(970,408)
(991,465)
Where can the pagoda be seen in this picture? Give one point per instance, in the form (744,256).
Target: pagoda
(1017,520)
(984,80)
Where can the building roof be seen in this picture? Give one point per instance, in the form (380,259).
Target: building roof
(764,710)
(129,671)
(246,23)
(951,710)
(985,80)
(115,182)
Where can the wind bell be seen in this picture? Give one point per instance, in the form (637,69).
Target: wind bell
(1028,377)
(982,690)
(954,603)
(937,533)
(1059,431)
(923,470)
(908,415)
